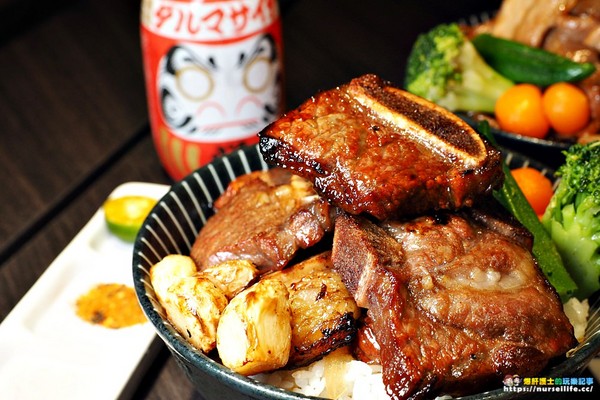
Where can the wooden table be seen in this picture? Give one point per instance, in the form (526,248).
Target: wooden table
(75,124)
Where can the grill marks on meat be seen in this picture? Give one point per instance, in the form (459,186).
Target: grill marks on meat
(324,312)
(454,304)
(263,217)
(370,147)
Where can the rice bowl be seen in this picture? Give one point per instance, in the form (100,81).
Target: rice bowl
(171,228)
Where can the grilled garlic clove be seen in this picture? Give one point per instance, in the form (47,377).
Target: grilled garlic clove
(231,276)
(168,271)
(194,306)
(254,334)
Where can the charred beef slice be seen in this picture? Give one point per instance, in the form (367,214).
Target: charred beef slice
(370,147)
(455,301)
(263,217)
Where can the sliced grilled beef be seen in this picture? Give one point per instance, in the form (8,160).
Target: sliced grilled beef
(454,303)
(370,147)
(263,217)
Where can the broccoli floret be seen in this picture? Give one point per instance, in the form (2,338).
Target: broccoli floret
(445,68)
(573,216)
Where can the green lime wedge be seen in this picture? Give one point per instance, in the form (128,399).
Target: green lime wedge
(125,215)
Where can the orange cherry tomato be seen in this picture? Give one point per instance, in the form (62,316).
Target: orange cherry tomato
(567,108)
(520,110)
(536,187)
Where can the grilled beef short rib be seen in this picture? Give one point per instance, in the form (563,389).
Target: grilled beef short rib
(370,147)
(454,298)
(263,217)
(455,301)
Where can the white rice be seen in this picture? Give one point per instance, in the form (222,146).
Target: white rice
(361,381)
(577,312)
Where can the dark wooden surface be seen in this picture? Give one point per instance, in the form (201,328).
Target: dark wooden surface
(74,122)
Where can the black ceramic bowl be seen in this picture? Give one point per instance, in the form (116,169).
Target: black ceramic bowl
(172,227)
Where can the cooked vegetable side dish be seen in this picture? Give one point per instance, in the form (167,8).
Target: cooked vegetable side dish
(573,216)
(544,58)
(445,67)
(384,243)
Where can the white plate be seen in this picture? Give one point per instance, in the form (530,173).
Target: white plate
(46,350)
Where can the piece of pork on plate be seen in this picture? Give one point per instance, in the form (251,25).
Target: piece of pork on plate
(370,147)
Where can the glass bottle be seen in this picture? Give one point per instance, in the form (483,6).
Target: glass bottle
(214,76)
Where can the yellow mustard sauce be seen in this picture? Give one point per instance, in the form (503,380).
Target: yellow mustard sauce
(111,305)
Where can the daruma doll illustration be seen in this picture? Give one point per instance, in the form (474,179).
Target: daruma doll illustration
(214,76)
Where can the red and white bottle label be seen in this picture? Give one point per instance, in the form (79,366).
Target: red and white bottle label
(214,76)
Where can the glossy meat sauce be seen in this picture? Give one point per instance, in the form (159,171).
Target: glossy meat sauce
(369,147)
